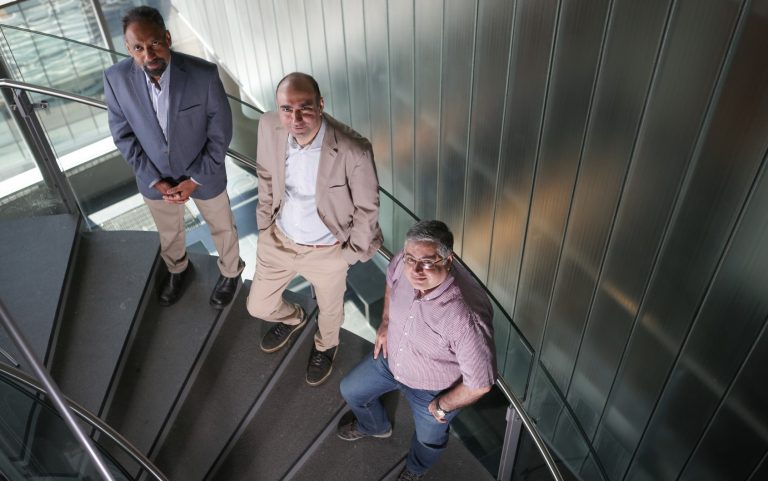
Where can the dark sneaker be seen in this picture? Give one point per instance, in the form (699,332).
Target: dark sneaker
(348,431)
(279,334)
(320,365)
(406,475)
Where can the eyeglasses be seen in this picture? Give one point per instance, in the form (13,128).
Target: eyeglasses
(426,264)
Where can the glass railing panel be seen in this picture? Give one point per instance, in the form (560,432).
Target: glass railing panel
(37,444)
(54,62)
(80,138)
(68,18)
(23,190)
(481,428)
(514,357)
(560,429)
(244,129)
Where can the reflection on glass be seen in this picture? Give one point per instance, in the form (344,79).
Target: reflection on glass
(559,428)
(37,444)
(481,428)
(23,191)
(244,129)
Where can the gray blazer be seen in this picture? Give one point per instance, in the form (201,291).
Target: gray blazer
(199,125)
(347,194)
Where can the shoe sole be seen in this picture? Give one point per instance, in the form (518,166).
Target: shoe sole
(298,328)
(330,371)
(380,436)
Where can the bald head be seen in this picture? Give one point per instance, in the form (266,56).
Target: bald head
(300,81)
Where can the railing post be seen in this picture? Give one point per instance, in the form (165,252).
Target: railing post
(53,391)
(511,443)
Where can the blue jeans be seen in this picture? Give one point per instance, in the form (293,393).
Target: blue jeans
(363,387)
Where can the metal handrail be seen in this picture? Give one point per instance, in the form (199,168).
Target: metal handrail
(94,103)
(531,427)
(89,418)
(53,392)
(503,387)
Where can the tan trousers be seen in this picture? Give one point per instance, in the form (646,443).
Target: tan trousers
(169,219)
(278,260)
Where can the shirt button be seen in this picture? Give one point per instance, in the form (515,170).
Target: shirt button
(401,350)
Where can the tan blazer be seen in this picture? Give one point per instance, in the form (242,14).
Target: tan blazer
(347,193)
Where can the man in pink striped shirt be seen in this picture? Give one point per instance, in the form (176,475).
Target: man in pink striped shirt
(434,344)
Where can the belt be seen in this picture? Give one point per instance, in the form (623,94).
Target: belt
(316,246)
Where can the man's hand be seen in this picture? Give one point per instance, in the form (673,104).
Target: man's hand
(381,340)
(163,187)
(180,194)
(433,411)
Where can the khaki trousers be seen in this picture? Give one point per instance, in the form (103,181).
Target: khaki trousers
(169,219)
(278,260)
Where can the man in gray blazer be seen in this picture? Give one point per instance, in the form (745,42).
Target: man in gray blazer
(318,213)
(170,119)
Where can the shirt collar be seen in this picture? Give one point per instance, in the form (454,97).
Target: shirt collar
(317,142)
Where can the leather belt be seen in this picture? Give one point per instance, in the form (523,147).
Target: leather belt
(316,246)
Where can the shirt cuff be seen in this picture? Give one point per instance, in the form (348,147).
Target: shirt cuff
(196,182)
(152,184)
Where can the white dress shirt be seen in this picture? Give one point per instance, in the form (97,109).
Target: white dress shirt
(298,217)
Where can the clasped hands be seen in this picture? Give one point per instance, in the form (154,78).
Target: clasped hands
(176,194)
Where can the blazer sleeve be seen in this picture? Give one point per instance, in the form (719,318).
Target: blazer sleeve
(264,209)
(126,141)
(210,160)
(365,236)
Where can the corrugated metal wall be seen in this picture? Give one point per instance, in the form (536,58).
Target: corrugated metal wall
(602,164)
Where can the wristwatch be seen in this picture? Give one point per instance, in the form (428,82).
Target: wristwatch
(440,411)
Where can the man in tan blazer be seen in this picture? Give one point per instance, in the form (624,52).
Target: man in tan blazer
(318,214)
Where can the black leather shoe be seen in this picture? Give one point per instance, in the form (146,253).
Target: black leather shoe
(224,291)
(320,365)
(173,286)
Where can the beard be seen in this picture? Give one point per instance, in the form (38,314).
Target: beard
(158,69)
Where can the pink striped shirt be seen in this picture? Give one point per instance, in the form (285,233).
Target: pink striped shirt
(442,338)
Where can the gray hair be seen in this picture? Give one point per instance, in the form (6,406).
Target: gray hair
(432,231)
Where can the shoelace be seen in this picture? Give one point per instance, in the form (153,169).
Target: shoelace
(282,329)
(317,359)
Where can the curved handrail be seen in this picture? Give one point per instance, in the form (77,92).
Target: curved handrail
(89,418)
(4,82)
(531,427)
(503,387)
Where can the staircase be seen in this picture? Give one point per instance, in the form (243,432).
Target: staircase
(187,384)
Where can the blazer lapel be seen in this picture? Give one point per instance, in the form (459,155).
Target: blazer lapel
(140,93)
(327,159)
(178,82)
(281,141)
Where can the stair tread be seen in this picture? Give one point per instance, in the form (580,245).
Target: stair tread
(109,282)
(367,458)
(166,345)
(35,260)
(236,371)
(292,417)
